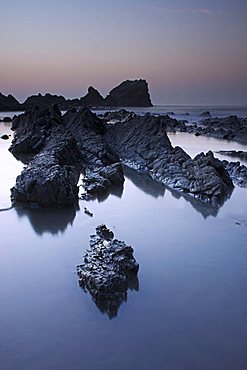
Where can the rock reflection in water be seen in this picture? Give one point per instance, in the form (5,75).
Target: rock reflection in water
(108,271)
(52,221)
(152,187)
(111,307)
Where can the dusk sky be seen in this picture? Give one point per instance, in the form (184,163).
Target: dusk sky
(190,52)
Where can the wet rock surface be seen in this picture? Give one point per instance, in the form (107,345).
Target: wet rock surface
(229,128)
(108,270)
(237,172)
(57,149)
(121,115)
(233,153)
(142,143)
(50,179)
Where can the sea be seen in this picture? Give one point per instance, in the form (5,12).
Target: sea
(188,310)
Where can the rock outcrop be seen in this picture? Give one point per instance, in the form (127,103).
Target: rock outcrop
(44,101)
(234,153)
(9,103)
(92,98)
(107,271)
(237,172)
(32,129)
(229,128)
(129,94)
(51,178)
(142,143)
(63,148)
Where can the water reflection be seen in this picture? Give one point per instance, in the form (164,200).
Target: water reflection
(52,221)
(145,182)
(103,195)
(151,187)
(110,307)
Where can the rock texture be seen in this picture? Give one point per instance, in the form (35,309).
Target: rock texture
(237,172)
(142,143)
(129,94)
(108,270)
(229,128)
(60,148)
(233,153)
(50,179)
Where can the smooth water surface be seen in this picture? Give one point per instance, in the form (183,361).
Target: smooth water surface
(189,312)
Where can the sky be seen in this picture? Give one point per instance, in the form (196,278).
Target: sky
(190,52)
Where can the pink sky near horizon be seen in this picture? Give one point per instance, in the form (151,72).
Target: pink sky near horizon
(192,54)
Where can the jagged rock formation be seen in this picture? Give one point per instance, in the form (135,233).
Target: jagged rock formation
(233,153)
(107,271)
(47,100)
(237,172)
(229,128)
(129,94)
(64,147)
(121,115)
(33,128)
(51,178)
(142,143)
(9,103)
(93,98)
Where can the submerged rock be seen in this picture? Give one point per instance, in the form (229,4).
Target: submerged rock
(108,270)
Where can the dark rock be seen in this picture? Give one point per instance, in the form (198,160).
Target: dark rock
(32,129)
(7,119)
(237,172)
(45,101)
(88,212)
(93,98)
(5,137)
(142,143)
(229,128)
(233,153)
(107,270)
(71,144)
(121,115)
(50,180)
(197,134)
(205,114)
(9,103)
(129,94)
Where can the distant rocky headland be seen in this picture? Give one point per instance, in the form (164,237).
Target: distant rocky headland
(128,94)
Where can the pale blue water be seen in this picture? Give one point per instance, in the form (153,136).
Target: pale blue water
(189,313)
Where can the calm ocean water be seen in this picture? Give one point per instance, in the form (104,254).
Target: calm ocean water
(190,311)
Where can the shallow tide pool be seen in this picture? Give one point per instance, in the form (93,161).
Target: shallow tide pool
(189,311)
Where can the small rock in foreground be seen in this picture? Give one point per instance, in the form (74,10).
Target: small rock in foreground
(108,270)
